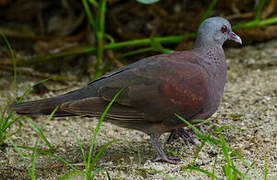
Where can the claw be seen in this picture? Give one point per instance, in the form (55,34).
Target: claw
(185,135)
(161,154)
(172,159)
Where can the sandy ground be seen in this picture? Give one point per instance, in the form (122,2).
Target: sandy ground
(250,103)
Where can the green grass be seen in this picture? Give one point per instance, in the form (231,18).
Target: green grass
(6,121)
(98,24)
(31,170)
(12,55)
(90,162)
(230,171)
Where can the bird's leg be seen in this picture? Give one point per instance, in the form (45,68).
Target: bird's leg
(181,132)
(161,154)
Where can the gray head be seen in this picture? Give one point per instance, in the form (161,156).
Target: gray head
(214,32)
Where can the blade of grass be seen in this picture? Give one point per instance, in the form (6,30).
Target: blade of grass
(108,175)
(18,129)
(39,131)
(94,3)
(266,22)
(71,174)
(227,171)
(259,10)
(250,167)
(44,153)
(147,41)
(109,37)
(95,172)
(3,112)
(7,121)
(29,89)
(100,29)
(34,156)
(21,156)
(243,176)
(13,57)
(138,51)
(225,150)
(102,149)
(265,168)
(80,144)
(88,12)
(89,166)
(215,161)
(209,137)
(190,125)
(201,147)
(209,10)
(158,47)
(202,171)
(102,13)
(198,133)
(269,21)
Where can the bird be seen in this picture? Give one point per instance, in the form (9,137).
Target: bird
(188,83)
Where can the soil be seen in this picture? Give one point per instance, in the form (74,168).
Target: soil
(250,103)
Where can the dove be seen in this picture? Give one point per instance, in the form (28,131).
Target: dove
(188,83)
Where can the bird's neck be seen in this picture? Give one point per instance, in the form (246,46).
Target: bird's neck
(212,55)
(206,40)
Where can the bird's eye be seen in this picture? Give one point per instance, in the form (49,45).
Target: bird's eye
(223,29)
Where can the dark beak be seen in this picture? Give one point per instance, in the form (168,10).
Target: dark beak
(232,36)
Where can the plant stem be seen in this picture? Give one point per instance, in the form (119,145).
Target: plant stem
(94,3)
(88,12)
(259,10)
(209,10)
(259,23)
(100,29)
(148,41)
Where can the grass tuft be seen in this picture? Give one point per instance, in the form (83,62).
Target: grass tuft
(229,170)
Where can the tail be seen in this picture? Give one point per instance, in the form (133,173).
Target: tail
(40,107)
(46,106)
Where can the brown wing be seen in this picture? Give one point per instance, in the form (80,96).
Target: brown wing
(161,87)
(95,106)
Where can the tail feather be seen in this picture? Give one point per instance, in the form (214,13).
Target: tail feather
(40,107)
(46,106)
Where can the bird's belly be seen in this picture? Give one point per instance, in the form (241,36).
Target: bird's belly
(212,103)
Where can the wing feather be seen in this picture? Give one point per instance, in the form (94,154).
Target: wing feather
(95,106)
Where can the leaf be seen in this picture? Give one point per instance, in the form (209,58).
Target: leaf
(147,1)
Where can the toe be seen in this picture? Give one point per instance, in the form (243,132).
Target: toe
(172,159)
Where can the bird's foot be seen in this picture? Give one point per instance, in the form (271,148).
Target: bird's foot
(183,134)
(161,154)
(172,159)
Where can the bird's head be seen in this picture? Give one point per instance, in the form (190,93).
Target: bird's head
(215,31)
